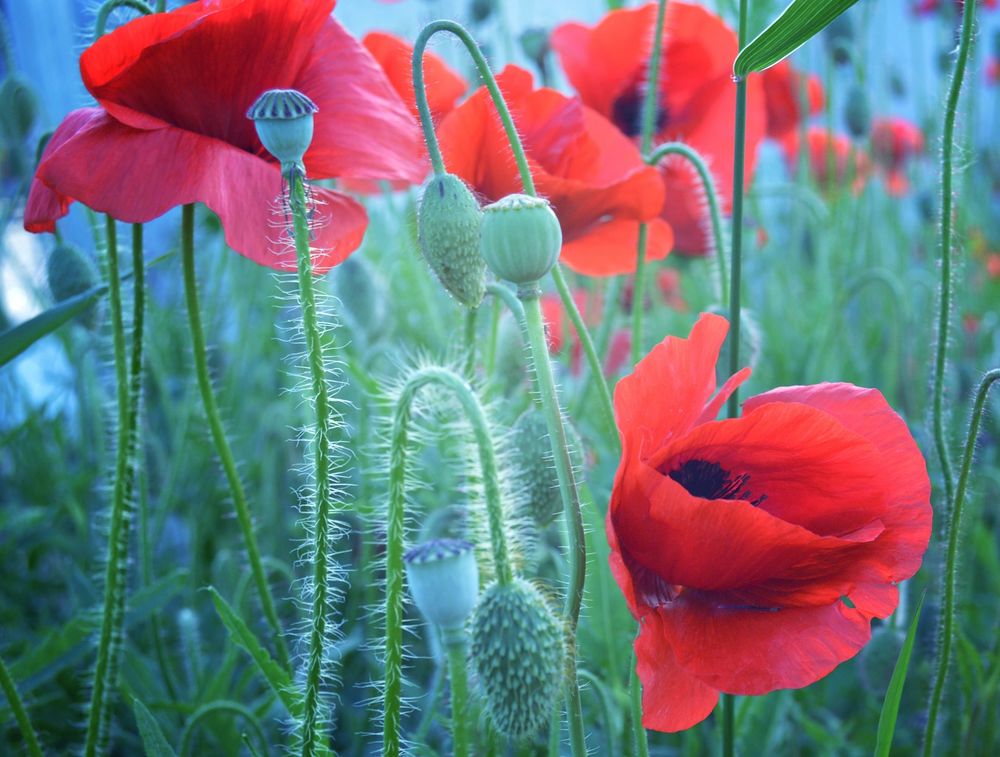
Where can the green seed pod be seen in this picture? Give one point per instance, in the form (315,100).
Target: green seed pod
(69,273)
(878,658)
(444,581)
(284,122)
(518,651)
(521,238)
(533,456)
(839,38)
(448,224)
(362,291)
(18,109)
(858,112)
(535,44)
(482,9)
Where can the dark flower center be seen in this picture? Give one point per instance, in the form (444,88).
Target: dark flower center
(626,112)
(711,481)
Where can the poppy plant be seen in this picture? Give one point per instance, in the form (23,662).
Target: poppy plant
(607,64)
(755,551)
(830,159)
(557,324)
(785,91)
(592,174)
(170,127)
(894,142)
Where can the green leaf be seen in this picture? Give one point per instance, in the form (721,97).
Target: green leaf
(893,696)
(153,740)
(16,340)
(275,675)
(797,24)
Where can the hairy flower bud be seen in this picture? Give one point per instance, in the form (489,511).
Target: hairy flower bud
(518,651)
(858,112)
(444,581)
(284,122)
(70,272)
(18,109)
(448,233)
(521,238)
(533,455)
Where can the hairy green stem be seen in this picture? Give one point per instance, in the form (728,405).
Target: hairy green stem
(470,340)
(650,105)
(457,673)
(322,515)
(714,212)
(199,351)
(101,20)
(395,527)
(639,736)
(947,202)
(31,744)
(950,578)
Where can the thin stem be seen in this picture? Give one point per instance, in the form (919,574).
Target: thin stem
(714,212)
(947,201)
(101,21)
(459,677)
(640,739)
(394,571)
(20,714)
(225,454)
(728,724)
(571,505)
(612,298)
(109,645)
(650,105)
(950,579)
(494,332)
(513,304)
(319,394)
(470,340)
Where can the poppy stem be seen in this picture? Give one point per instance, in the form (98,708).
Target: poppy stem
(728,724)
(243,516)
(708,186)
(947,202)
(32,746)
(129,384)
(470,340)
(950,579)
(104,12)
(459,678)
(640,738)
(395,526)
(650,104)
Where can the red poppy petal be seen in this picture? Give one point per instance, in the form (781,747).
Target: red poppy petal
(752,652)
(609,248)
(672,700)
(395,56)
(135,175)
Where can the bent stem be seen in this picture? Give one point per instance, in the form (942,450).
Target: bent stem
(947,200)
(222,448)
(715,214)
(394,571)
(950,579)
(101,20)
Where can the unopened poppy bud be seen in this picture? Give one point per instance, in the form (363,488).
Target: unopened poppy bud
(444,581)
(482,9)
(532,453)
(839,37)
(858,112)
(284,122)
(69,273)
(521,238)
(518,651)
(535,44)
(18,109)
(448,234)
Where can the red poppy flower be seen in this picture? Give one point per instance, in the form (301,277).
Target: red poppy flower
(607,64)
(926,7)
(738,543)
(993,70)
(993,265)
(828,150)
(894,142)
(783,98)
(591,173)
(173,90)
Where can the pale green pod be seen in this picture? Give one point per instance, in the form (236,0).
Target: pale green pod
(284,122)
(444,581)
(521,238)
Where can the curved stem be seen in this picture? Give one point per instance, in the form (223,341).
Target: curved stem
(459,677)
(650,105)
(571,505)
(947,200)
(101,21)
(20,714)
(950,579)
(708,185)
(394,571)
(199,352)
(322,513)
(213,708)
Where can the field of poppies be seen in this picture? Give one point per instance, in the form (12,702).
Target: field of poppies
(488,377)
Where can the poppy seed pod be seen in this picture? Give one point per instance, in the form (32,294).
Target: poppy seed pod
(858,112)
(444,581)
(521,238)
(18,109)
(518,649)
(533,455)
(284,122)
(69,273)
(448,224)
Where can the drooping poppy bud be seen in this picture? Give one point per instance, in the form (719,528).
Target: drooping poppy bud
(70,272)
(448,224)
(481,10)
(284,122)
(521,238)
(839,37)
(18,109)
(533,455)
(858,112)
(535,44)
(444,581)
(518,649)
